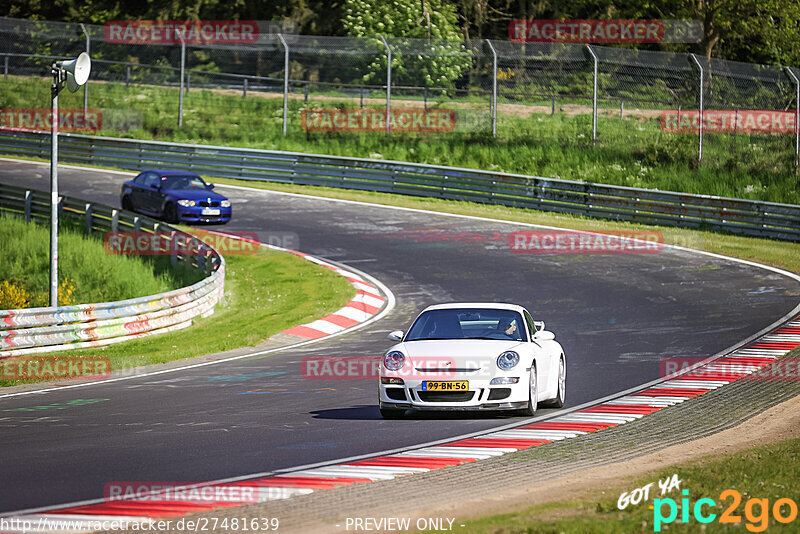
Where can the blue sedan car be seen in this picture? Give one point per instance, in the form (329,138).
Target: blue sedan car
(175,196)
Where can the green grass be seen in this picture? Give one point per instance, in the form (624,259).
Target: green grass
(766,472)
(265,293)
(83,263)
(632,152)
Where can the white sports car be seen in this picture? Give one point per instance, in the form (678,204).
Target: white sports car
(473,356)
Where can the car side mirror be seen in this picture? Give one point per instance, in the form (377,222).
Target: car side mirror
(211,186)
(539,325)
(397,335)
(545,335)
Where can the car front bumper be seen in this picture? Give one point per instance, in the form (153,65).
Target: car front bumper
(196,215)
(481,395)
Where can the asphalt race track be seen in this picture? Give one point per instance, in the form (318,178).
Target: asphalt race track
(616,316)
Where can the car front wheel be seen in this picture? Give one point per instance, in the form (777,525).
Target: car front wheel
(533,394)
(558,402)
(171,213)
(392,413)
(127,204)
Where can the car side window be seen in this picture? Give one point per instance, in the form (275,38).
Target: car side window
(150,179)
(139,180)
(531,327)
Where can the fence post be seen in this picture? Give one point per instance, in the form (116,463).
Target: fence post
(696,61)
(621,108)
(188,81)
(388,82)
(86,85)
(88,217)
(594,94)
(5,71)
(28,204)
(494,87)
(179,33)
(127,76)
(285,81)
(244,89)
(796,81)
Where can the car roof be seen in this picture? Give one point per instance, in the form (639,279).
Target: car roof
(171,172)
(488,305)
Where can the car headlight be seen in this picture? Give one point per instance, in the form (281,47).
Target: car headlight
(225,203)
(186,203)
(507,360)
(394,360)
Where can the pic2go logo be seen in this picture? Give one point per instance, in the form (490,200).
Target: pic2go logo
(756,511)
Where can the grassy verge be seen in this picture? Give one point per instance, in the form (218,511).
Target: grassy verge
(265,293)
(633,151)
(86,272)
(766,472)
(781,254)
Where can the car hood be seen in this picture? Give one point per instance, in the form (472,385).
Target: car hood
(194,194)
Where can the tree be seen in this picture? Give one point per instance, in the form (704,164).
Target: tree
(427,46)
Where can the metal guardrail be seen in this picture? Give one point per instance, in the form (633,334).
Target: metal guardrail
(747,217)
(35,330)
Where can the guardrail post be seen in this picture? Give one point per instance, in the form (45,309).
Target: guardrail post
(693,58)
(796,81)
(114,220)
(28,204)
(494,87)
(179,33)
(594,94)
(285,81)
(388,82)
(86,85)
(88,217)
(137,224)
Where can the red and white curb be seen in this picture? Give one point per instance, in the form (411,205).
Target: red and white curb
(697,381)
(367,302)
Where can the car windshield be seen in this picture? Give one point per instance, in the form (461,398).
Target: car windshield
(468,323)
(183,182)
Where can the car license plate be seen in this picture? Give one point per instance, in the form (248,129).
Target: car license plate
(210,211)
(453,385)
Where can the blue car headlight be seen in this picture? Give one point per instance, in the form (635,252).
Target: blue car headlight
(507,360)
(394,360)
(225,203)
(186,203)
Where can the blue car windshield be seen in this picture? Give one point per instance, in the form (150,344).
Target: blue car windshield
(468,323)
(183,182)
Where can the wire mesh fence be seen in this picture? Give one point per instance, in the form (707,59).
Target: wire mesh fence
(303,85)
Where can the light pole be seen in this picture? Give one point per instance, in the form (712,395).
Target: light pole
(75,73)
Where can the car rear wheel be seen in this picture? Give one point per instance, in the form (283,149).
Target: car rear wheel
(533,394)
(170,213)
(558,402)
